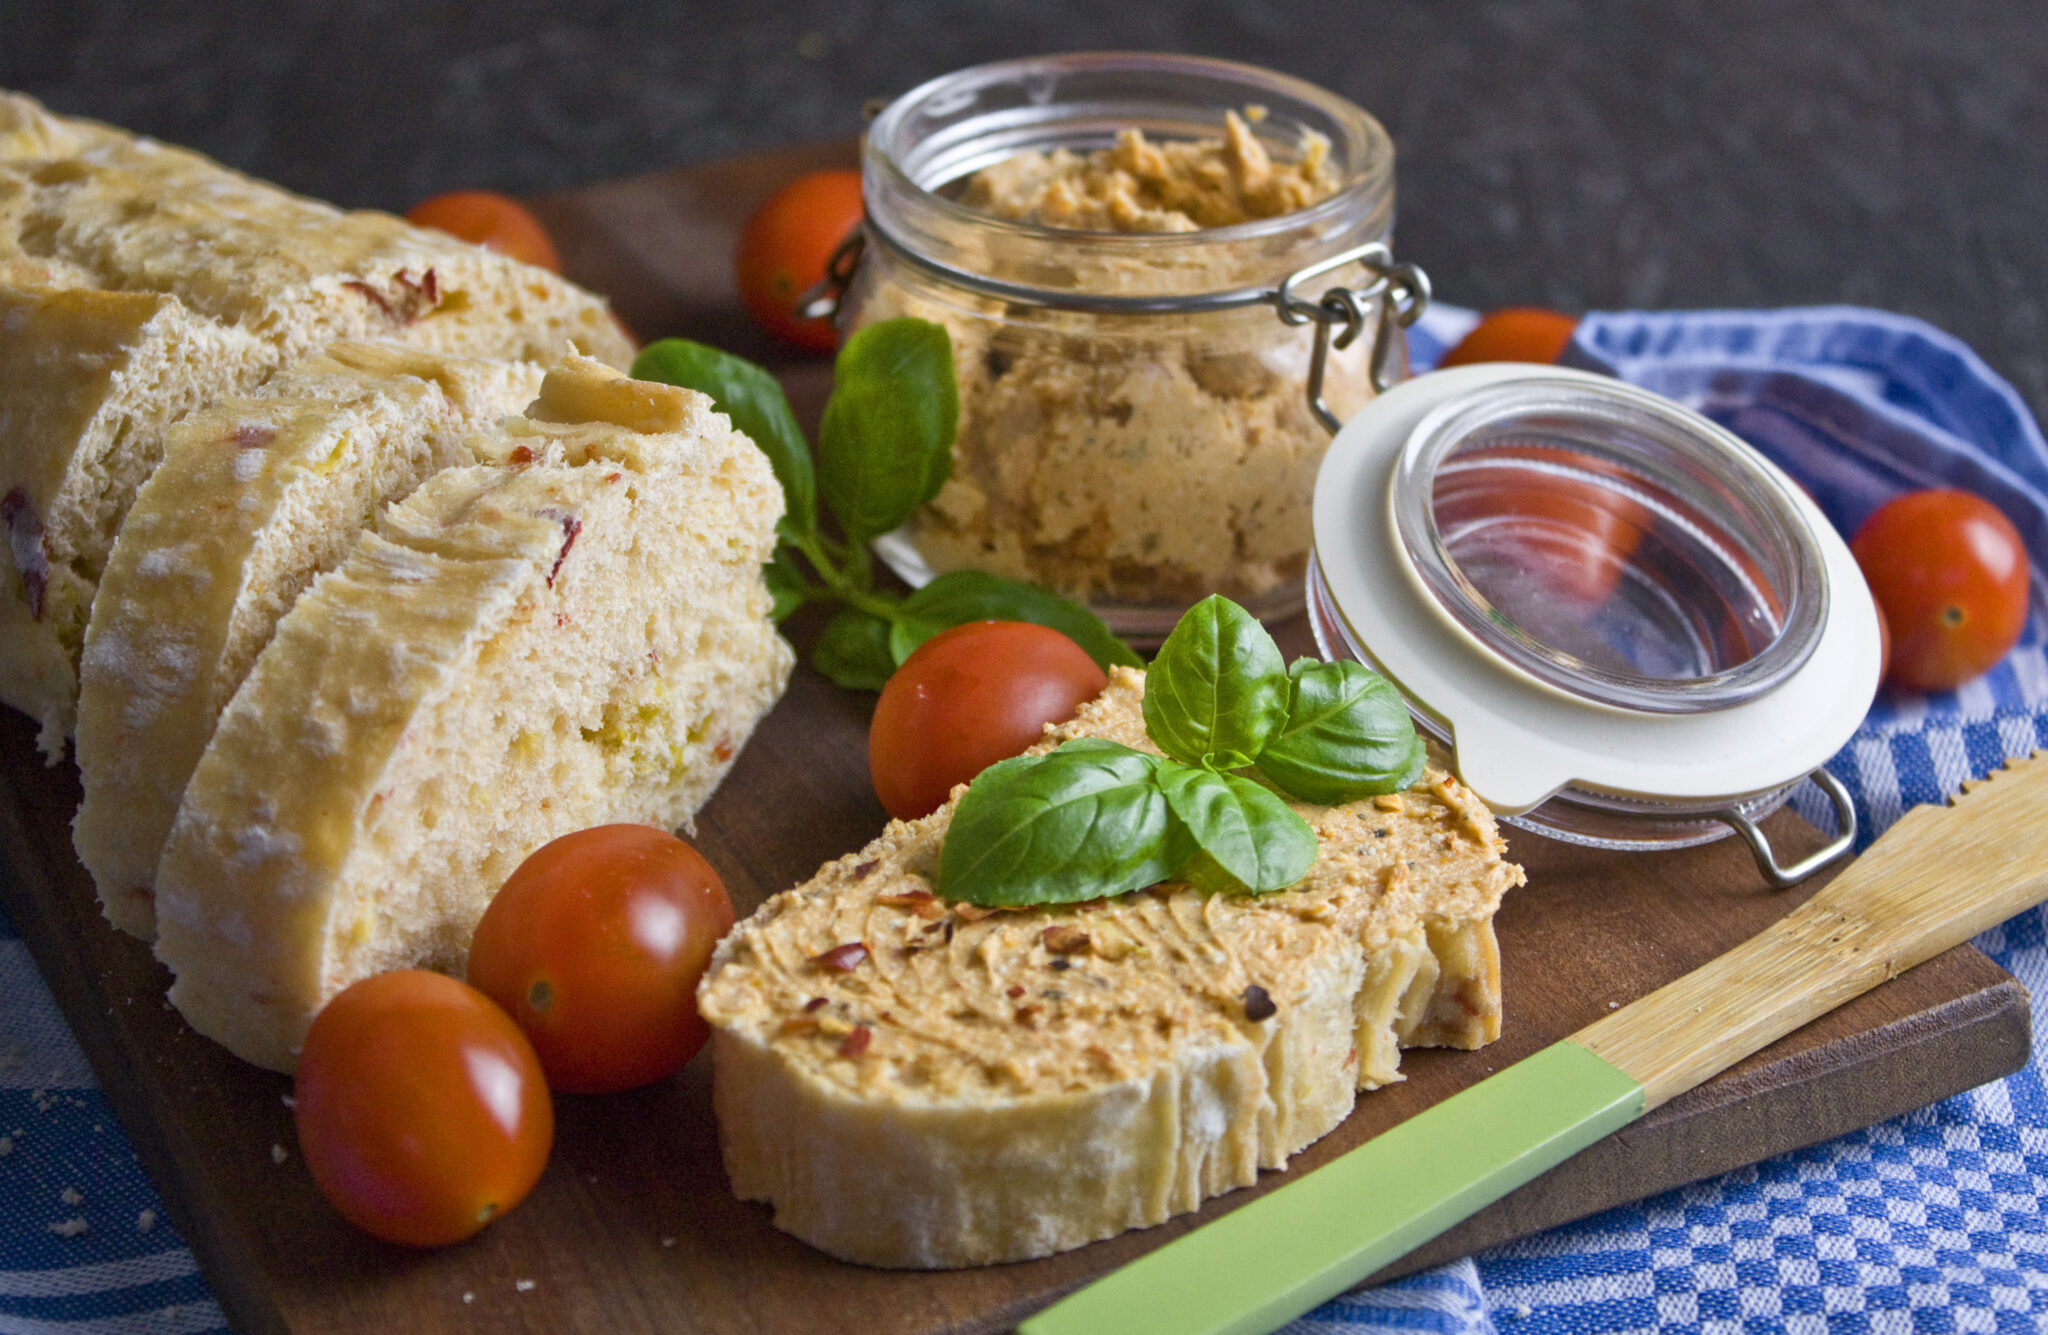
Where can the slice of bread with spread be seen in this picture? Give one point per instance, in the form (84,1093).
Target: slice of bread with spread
(139,282)
(573,634)
(256,496)
(916,1084)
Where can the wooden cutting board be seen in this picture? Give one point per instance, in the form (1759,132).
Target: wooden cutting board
(632,1228)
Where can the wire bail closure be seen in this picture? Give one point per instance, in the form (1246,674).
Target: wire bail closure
(1833,851)
(820,301)
(1402,291)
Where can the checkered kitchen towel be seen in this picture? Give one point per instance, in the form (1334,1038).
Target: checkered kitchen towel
(1932,1222)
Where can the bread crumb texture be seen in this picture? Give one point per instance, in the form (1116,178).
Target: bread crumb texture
(140,282)
(256,496)
(575,634)
(972,1086)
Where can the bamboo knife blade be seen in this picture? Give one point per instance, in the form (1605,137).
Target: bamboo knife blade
(1936,878)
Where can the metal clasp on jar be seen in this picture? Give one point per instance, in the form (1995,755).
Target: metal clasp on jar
(1401,289)
(1403,293)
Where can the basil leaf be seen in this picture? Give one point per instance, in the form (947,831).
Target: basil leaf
(885,445)
(1244,831)
(961,596)
(1347,735)
(853,650)
(1218,688)
(754,401)
(1076,823)
(786,584)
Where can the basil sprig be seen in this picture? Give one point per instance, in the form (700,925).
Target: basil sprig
(885,447)
(1093,817)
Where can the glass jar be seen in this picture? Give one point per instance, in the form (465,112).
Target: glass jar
(1136,429)
(1625,627)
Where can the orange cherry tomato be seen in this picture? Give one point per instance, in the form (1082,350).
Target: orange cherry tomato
(784,247)
(595,945)
(966,698)
(421,1109)
(1950,576)
(1514,334)
(491,220)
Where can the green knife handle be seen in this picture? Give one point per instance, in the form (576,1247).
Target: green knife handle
(1272,1259)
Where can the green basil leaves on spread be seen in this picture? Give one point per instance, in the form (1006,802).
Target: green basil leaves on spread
(1347,735)
(1093,818)
(885,447)
(1085,820)
(1218,688)
(1245,832)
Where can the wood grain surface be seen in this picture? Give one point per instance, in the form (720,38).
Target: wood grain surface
(632,1228)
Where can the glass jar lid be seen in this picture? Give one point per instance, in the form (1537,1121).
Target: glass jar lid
(1588,591)
(1599,539)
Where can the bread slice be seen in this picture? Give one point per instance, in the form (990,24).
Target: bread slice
(89,380)
(140,281)
(576,634)
(985,1087)
(256,496)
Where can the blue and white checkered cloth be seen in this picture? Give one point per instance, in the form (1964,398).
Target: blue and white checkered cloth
(1929,1223)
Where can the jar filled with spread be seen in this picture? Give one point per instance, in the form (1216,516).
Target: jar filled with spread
(1166,282)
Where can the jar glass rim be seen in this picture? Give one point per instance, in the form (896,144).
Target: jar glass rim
(1367,152)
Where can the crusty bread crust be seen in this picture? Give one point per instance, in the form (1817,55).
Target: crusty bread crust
(992,1087)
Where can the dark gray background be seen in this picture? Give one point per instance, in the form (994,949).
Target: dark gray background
(1575,154)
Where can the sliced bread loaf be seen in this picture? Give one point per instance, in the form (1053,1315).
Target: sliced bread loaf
(139,281)
(577,635)
(256,495)
(911,1083)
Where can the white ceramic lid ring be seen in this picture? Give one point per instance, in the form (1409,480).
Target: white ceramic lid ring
(1517,739)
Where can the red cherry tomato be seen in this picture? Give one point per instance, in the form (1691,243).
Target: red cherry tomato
(1514,334)
(491,220)
(1949,573)
(595,945)
(966,698)
(784,247)
(421,1109)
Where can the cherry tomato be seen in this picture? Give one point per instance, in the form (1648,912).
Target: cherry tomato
(784,247)
(421,1109)
(595,945)
(1949,573)
(491,220)
(966,698)
(1514,334)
